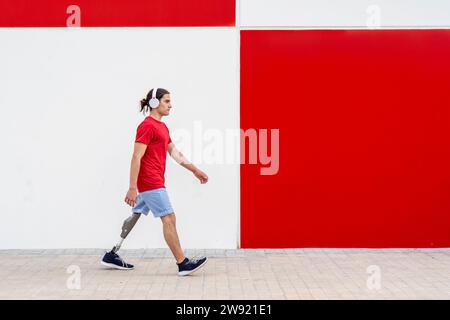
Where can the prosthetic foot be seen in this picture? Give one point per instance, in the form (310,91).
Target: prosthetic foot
(111,259)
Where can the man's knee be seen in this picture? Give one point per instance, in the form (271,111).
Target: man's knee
(169,219)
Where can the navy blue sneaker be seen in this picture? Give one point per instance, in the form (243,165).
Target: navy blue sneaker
(112,260)
(188,266)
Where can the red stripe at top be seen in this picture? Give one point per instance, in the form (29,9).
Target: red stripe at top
(117,13)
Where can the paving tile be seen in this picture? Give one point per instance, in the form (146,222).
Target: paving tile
(291,274)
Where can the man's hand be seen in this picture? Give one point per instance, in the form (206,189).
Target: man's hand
(131,196)
(201,176)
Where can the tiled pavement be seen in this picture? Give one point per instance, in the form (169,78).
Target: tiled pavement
(229,274)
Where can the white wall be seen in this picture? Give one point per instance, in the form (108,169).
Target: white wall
(344,13)
(68,103)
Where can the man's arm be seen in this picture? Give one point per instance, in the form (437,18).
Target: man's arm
(181,159)
(139,150)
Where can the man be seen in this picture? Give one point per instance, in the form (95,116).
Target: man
(148,166)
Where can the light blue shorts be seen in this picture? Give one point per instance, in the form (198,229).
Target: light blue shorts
(156,200)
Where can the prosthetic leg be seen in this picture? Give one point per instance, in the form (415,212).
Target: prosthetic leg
(127,226)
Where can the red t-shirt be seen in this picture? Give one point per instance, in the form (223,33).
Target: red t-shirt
(155,135)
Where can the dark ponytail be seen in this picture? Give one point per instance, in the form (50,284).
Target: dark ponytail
(144,102)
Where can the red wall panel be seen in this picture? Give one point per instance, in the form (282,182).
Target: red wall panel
(364,119)
(118,13)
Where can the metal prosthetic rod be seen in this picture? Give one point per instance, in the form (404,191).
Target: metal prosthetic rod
(127,226)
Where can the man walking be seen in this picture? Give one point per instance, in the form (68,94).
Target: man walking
(148,166)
